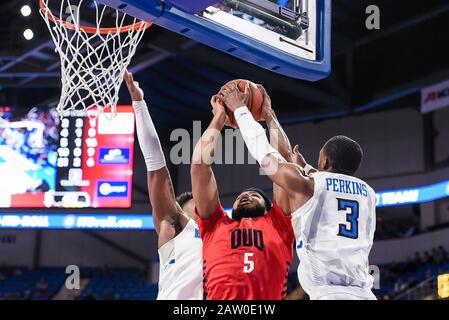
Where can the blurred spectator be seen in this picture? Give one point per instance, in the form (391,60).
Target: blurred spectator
(27,294)
(17,272)
(444,252)
(394,274)
(400,286)
(429,274)
(442,255)
(396,228)
(409,265)
(106,295)
(90,296)
(412,282)
(427,258)
(41,287)
(418,259)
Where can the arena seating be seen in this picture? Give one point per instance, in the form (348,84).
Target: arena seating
(22,283)
(129,284)
(123,284)
(407,279)
(44,283)
(397,278)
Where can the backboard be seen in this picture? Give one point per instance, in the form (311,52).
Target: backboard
(289,37)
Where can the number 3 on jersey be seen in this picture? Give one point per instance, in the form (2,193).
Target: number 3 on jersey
(352,216)
(248,266)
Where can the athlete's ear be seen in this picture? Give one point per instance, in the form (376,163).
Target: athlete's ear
(323,162)
(327,164)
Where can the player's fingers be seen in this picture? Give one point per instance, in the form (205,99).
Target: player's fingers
(261,88)
(216,100)
(126,77)
(221,92)
(296,149)
(247,88)
(225,89)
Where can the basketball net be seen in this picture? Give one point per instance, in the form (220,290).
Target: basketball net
(93,59)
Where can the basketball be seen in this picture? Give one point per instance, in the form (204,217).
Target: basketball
(255,101)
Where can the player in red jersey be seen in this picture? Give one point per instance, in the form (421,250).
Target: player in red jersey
(246,257)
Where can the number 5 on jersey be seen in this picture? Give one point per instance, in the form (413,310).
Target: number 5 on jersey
(248,265)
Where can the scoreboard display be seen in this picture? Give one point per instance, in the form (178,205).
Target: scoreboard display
(76,162)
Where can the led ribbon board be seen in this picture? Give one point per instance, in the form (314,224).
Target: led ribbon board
(416,195)
(77,221)
(288,37)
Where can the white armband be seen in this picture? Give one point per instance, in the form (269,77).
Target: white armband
(307,168)
(148,138)
(254,135)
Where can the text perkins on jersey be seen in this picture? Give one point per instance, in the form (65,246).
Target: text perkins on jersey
(346,186)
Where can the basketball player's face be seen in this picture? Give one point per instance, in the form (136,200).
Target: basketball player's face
(248,204)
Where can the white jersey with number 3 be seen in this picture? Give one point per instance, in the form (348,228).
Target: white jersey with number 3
(334,233)
(181,266)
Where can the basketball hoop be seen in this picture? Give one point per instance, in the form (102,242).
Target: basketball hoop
(93,58)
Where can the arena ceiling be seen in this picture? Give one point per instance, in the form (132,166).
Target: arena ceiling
(372,70)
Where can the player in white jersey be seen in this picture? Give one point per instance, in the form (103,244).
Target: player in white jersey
(334,232)
(179,242)
(334,213)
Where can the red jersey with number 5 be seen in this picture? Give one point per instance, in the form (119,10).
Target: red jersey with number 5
(246,259)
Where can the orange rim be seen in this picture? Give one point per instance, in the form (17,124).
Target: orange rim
(137,26)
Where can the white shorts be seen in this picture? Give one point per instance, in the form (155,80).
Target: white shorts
(344,296)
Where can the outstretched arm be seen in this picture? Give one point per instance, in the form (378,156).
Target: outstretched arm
(280,142)
(204,185)
(287,175)
(168,219)
(279,139)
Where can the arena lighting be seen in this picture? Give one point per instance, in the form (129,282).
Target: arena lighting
(28,34)
(25,10)
(78,221)
(422,194)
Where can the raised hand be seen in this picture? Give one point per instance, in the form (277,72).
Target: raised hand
(218,110)
(233,97)
(133,87)
(298,158)
(217,106)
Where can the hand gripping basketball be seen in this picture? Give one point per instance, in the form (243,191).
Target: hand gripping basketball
(254,102)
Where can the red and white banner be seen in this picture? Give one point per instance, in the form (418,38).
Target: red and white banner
(435,97)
